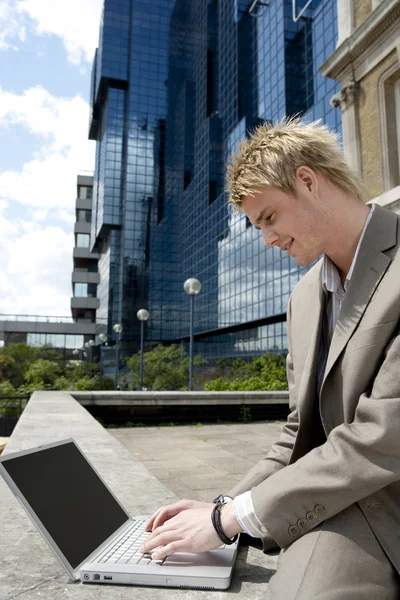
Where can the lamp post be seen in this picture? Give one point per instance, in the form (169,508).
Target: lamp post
(142,315)
(90,345)
(192,287)
(118,330)
(103,339)
(75,352)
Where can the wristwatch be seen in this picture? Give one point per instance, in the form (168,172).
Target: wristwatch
(221,499)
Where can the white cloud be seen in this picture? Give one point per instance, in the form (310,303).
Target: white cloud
(74,21)
(11,28)
(48,181)
(36,247)
(37,274)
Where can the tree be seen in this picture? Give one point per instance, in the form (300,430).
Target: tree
(78,369)
(47,352)
(42,374)
(165,368)
(7,389)
(7,368)
(23,356)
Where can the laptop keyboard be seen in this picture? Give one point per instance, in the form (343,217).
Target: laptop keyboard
(126,549)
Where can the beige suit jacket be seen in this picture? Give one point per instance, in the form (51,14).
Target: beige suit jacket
(297,486)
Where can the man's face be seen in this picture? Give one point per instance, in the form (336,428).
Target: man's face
(290,222)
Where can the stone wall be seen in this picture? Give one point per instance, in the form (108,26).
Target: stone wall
(362,8)
(370,127)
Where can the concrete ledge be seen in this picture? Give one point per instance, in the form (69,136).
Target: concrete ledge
(28,568)
(114,398)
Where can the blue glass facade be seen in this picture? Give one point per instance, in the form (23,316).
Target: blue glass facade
(175,86)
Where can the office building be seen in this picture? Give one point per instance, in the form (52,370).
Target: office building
(175,86)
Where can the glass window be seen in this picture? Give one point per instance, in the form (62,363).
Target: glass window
(82,240)
(74,341)
(84,216)
(81,290)
(85,192)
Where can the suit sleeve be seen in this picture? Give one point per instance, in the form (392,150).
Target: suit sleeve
(357,460)
(280,453)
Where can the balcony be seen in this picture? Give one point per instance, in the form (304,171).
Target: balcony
(82,227)
(85,303)
(85,277)
(83,204)
(85,253)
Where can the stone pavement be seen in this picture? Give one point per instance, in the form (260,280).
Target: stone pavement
(199,462)
(171,452)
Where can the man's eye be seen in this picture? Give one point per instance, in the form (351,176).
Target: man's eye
(268,219)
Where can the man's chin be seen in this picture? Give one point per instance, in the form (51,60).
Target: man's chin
(303,261)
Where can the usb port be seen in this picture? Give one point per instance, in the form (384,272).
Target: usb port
(108,577)
(96,577)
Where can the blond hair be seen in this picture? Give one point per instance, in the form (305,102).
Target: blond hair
(273,153)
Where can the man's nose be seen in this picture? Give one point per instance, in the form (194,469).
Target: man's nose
(269,238)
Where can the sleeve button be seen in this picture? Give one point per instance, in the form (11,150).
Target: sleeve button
(302,524)
(294,531)
(311,517)
(319,509)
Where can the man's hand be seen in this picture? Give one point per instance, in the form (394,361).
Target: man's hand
(186,527)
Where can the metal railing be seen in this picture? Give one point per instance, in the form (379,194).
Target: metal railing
(11,408)
(43,318)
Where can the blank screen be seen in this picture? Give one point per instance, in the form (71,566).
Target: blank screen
(69,498)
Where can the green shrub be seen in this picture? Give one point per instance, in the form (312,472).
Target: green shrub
(263,373)
(165,368)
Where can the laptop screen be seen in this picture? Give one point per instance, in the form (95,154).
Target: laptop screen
(69,498)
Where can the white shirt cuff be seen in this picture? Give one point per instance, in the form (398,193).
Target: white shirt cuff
(246,516)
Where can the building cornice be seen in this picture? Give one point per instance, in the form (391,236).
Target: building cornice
(384,17)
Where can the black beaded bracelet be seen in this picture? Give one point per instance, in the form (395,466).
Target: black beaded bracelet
(216,521)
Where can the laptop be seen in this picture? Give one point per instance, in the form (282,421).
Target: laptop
(90,532)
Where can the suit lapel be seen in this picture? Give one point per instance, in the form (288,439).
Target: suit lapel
(312,314)
(370,267)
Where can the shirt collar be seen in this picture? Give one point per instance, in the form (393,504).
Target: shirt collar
(330,273)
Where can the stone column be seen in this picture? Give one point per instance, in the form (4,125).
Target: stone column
(347,101)
(345,10)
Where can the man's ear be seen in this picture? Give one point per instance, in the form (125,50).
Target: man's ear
(306,176)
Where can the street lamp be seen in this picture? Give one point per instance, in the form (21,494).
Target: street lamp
(192,287)
(142,315)
(90,345)
(118,330)
(103,339)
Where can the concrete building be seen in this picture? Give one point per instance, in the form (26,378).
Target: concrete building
(85,276)
(61,333)
(176,84)
(64,333)
(366,64)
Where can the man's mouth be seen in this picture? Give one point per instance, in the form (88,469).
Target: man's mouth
(288,246)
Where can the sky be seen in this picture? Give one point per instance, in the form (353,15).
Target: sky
(46,52)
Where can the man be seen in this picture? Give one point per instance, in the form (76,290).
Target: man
(328,492)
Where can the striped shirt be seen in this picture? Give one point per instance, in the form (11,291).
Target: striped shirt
(335,293)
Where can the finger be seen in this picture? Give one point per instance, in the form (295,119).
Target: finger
(178,546)
(159,540)
(167,512)
(149,524)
